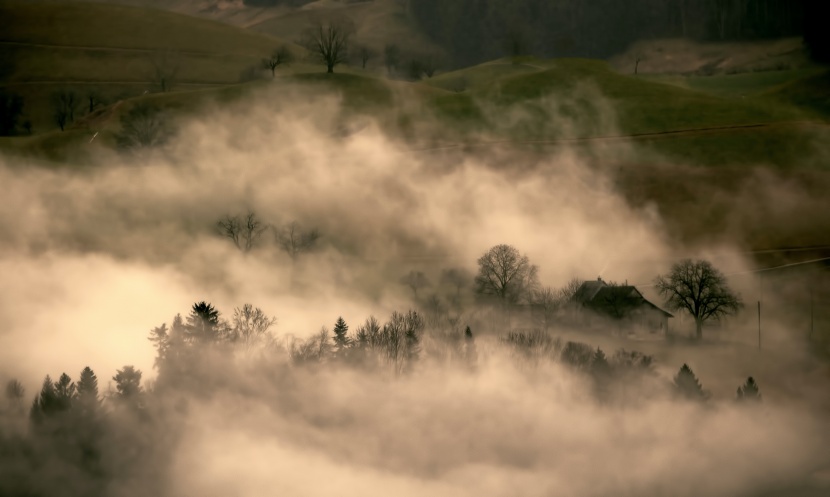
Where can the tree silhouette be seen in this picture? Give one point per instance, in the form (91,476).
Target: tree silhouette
(470,352)
(280,56)
(243,232)
(295,240)
(15,391)
(687,385)
(143,126)
(250,326)
(506,274)
(415,280)
(128,384)
(329,42)
(749,391)
(700,289)
(203,324)
(46,403)
(87,388)
(341,338)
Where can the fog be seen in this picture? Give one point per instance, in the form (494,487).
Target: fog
(96,255)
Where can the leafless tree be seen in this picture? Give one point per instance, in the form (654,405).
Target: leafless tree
(415,280)
(15,393)
(329,42)
(165,69)
(281,56)
(699,288)
(567,292)
(294,240)
(546,302)
(506,274)
(391,57)
(94,99)
(243,232)
(457,278)
(143,126)
(250,326)
(365,53)
(64,103)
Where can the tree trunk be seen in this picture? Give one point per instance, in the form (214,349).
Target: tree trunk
(698,329)
(330,69)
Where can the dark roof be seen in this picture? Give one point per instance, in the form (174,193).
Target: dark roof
(613,300)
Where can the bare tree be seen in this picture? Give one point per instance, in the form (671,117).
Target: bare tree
(250,326)
(143,126)
(365,54)
(64,103)
(546,302)
(243,232)
(294,240)
(457,278)
(391,58)
(165,69)
(329,42)
(700,289)
(15,393)
(415,280)
(568,291)
(281,56)
(506,274)
(94,99)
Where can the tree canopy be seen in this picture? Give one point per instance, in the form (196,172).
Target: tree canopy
(699,288)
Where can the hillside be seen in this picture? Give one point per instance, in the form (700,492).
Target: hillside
(117,51)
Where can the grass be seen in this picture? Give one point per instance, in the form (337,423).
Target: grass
(114,50)
(118,26)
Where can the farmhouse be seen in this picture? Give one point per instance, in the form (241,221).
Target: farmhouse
(597,303)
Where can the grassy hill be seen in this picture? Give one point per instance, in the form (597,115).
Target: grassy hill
(116,52)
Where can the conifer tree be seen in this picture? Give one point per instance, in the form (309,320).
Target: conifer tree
(64,391)
(749,391)
(128,383)
(341,338)
(599,364)
(87,391)
(46,402)
(687,385)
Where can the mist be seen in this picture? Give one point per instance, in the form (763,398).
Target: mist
(98,254)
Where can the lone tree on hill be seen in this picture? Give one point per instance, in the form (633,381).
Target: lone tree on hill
(506,274)
(700,289)
(281,56)
(329,42)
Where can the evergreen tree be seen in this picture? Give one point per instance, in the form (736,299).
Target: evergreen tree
(87,391)
(341,338)
(687,385)
(128,383)
(64,392)
(46,402)
(749,391)
(203,323)
(599,364)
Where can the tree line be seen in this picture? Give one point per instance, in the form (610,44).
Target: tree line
(80,439)
(474,31)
